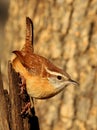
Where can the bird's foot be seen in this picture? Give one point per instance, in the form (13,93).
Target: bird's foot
(22,85)
(26,109)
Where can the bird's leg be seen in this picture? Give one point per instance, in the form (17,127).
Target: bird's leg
(22,84)
(27,108)
(32,102)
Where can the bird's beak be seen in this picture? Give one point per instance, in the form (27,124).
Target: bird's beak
(73,82)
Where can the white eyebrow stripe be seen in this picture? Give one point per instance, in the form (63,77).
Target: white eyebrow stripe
(54,73)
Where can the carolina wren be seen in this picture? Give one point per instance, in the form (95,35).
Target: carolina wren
(43,79)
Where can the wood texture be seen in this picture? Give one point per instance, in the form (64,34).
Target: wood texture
(4,124)
(16,104)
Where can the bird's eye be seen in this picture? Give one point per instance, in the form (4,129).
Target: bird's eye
(59,77)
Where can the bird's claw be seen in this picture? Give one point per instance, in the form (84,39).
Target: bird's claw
(25,109)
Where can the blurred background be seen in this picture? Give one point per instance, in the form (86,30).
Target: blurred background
(65,31)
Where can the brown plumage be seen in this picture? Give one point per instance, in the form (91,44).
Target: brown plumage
(43,78)
(36,64)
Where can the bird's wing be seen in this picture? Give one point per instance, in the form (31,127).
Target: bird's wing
(20,56)
(32,64)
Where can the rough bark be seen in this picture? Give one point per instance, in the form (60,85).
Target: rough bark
(64,31)
(4,124)
(16,122)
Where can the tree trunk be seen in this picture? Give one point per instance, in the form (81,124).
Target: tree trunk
(65,31)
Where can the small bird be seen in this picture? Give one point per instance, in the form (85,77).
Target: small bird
(41,77)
